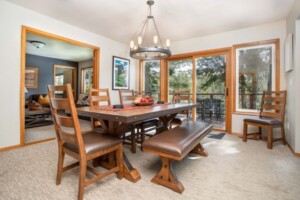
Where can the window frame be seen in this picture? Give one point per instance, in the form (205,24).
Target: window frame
(276,73)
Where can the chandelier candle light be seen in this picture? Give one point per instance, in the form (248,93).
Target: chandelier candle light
(148,44)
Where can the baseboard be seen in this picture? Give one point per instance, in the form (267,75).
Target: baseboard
(292,150)
(40,141)
(10,148)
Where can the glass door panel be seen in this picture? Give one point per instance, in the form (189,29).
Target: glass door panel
(210,90)
(180,76)
(152,78)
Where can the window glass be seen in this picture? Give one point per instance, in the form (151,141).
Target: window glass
(255,72)
(180,76)
(152,78)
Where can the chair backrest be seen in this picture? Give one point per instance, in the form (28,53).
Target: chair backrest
(181,95)
(67,127)
(126,96)
(141,93)
(273,105)
(98,96)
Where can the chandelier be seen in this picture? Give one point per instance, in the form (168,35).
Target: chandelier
(148,44)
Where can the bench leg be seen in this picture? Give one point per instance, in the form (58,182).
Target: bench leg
(166,176)
(200,150)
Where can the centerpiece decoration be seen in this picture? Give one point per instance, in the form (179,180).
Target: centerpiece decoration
(143,100)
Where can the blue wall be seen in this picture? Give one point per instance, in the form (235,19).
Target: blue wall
(45,71)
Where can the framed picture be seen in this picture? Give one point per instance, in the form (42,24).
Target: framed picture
(31,77)
(288,53)
(120,73)
(86,79)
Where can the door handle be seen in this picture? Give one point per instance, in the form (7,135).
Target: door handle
(227,92)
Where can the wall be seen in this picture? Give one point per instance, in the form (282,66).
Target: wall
(293,26)
(228,39)
(45,71)
(12,17)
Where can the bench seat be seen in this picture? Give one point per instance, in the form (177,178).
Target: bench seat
(175,144)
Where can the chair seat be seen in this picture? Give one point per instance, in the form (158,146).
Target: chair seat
(266,121)
(180,118)
(94,141)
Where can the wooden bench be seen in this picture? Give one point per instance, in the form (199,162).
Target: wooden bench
(175,144)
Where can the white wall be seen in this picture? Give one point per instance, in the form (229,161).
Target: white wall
(12,17)
(293,106)
(227,39)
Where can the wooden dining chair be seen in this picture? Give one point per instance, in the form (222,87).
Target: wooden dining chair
(83,147)
(181,96)
(98,97)
(126,96)
(271,115)
(138,130)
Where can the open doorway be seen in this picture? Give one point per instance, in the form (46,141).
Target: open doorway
(51,59)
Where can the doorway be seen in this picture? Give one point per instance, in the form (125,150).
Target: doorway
(60,75)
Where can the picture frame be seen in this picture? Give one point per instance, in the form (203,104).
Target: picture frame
(288,53)
(31,77)
(120,73)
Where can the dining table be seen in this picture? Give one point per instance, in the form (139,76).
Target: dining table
(117,121)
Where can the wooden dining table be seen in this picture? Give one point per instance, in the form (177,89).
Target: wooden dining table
(116,122)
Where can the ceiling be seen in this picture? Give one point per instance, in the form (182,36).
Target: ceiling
(57,49)
(176,19)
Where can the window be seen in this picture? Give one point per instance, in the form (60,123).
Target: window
(152,78)
(256,69)
(180,76)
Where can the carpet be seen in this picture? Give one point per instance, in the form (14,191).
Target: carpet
(216,135)
(233,170)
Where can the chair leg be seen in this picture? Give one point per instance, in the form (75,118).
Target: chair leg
(133,142)
(142,137)
(245,132)
(60,164)
(82,175)
(270,137)
(283,134)
(259,133)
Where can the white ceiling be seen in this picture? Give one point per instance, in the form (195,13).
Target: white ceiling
(57,49)
(176,19)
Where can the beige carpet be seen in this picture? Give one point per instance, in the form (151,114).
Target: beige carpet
(233,170)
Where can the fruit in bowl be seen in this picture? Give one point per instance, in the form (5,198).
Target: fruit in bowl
(146,100)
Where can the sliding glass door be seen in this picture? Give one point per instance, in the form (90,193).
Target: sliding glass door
(210,90)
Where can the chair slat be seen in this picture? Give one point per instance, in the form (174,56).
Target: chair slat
(99,98)
(60,103)
(270,114)
(273,107)
(274,99)
(64,121)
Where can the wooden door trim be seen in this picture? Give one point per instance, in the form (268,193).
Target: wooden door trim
(25,30)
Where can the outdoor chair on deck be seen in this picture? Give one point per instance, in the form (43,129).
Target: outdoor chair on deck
(271,115)
(82,147)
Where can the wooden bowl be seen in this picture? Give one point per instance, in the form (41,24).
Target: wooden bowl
(144,104)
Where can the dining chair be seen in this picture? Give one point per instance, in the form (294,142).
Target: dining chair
(98,97)
(82,147)
(126,96)
(271,115)
(137,131)
(180,96)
